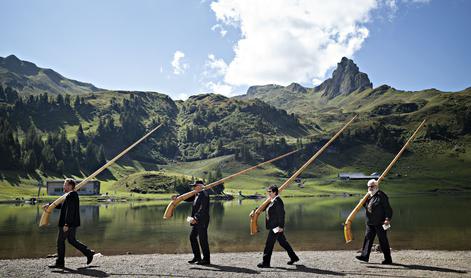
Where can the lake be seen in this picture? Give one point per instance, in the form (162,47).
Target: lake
(438,222)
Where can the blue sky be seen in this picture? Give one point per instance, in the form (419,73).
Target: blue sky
(182,48)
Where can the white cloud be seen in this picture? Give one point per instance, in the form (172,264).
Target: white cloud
(291,41)
(220,88)
(417,1)
(178,66)
(182,96)
(316,81)
(214,67)
(222,31)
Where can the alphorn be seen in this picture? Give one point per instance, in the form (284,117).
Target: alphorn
(257,211)
(45,216)
(347,228)
(174,203)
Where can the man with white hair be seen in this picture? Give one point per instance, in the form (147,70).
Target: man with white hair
(378,217)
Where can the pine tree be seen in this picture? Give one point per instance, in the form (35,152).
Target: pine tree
(30,161)
(60,167)
(81,138)
(101,158)
(77,102)
(60,100)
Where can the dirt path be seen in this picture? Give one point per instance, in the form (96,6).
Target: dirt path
(312,264)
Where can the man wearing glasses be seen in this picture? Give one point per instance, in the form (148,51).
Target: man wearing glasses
(275,222)
(378,217)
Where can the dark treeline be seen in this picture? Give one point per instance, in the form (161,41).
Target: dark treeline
(23,145)
(47,151)
(34,134)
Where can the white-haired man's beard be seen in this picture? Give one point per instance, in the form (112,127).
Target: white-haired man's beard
(372,191)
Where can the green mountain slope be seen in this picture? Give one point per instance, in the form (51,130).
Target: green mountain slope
(211,132)
(26,77)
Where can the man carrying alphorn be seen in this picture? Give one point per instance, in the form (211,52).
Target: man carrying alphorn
(199,221)
(378,217)
(69,221)
(275,223)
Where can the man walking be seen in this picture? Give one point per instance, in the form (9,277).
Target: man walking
(378,217)
(275,222)
(199,221)
(69,220)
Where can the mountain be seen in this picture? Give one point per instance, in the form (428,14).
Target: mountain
(345,79)
(26,78)
(265,122)
(223,124)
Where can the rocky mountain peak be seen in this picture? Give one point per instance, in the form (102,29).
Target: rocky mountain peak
(295,87)
(345,79)
(13,64)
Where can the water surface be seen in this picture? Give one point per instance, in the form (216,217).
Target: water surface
(439,222)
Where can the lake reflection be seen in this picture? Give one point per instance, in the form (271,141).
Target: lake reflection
(419,222)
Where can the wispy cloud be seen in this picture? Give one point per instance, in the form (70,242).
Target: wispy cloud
(392,6)
(221,29)
(179,67)
(214,67)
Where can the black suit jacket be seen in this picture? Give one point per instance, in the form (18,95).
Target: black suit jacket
(275,213)
(378,209)
(200,208)
(70,210)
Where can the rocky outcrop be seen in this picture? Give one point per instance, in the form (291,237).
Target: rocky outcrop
(345,79)
(295,87)
(253,91)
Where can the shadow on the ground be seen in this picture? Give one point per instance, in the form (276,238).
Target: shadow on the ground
(225,268)
(421,267)
(305,269)
(86,271)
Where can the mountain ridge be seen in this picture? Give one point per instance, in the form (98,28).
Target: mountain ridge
(26,77)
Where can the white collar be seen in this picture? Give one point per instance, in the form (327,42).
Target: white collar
(274,199)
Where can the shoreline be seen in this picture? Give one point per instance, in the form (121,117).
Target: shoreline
(116,199)
(407,263)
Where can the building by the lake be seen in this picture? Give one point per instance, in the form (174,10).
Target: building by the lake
(357,176)
(55,187)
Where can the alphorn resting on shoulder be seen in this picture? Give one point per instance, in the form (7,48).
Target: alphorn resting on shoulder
(45,216)
(257,211)
(347,228)
(174,203)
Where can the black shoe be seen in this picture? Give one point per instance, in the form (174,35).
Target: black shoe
(262,265)
(361,258)
(90,258)
(56,265)
(194,260)
(203,262)
(387,262)
(292,261)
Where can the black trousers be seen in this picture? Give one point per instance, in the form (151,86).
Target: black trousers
(271,239)
(371,232)
(201,231)
(70,236)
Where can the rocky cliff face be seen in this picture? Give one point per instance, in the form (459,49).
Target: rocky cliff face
(346,79)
